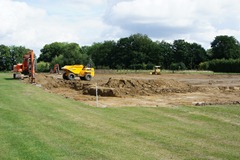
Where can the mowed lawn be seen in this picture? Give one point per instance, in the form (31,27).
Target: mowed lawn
(35,124)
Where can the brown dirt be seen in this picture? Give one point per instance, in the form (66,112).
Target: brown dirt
(116,90)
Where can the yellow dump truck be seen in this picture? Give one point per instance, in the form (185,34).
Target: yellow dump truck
(72,71)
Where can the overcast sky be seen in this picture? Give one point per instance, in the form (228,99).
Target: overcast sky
(34,23)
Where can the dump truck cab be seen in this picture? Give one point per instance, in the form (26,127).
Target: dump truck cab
(84,72)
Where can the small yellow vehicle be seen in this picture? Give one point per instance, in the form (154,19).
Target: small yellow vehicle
(72,71)
(156,70)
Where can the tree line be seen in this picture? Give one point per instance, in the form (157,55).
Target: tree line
(134,52)
(11,55)
(137,51)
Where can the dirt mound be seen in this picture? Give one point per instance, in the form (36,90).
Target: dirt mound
(134,87)
(115,87)
(143,87)
(146,83)
(47,82)
(50,82)
(102,91)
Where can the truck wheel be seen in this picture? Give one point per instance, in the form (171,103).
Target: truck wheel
(71,76)
(65,76)
(88,77)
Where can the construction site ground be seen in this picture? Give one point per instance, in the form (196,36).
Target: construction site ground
(141,89)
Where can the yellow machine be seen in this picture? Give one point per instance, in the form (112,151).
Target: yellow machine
(156,71)
(85,73)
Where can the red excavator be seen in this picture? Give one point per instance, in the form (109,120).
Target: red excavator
(27,68)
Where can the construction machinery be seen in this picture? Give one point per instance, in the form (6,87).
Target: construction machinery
(26,68)
(156,70)
(56,69)
(84,72)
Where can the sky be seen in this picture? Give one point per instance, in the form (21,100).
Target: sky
(35,23)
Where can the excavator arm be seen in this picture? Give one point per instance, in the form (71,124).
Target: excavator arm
(27,67)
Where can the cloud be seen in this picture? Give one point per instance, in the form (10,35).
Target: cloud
(35,23)
(188,19)
(17,21)
(33,26)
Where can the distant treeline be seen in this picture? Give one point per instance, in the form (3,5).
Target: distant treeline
(136,52)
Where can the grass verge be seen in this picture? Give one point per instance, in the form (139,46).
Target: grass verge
(40,125)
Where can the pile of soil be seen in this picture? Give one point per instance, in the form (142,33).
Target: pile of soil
(115,87)
(145,87)
(49,82)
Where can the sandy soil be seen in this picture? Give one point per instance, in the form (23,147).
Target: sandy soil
(116,90)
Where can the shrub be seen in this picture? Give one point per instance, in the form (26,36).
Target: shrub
(136,66)
(150,66)
(178,66)
(204,66)
(222,65)
(43,67)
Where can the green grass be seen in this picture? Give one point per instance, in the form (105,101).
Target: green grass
(35,124)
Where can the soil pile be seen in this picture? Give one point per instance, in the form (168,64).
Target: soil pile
(47,82)
(117,87)
(144,87)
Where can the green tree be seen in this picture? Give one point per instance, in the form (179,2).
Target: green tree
(93,51)
(120,58)
(17,53)
(63,53)
(190,54)
(43,67)
(144,50)
(197,54)
(5,62)
(225,47)
(50,51)
(135,50)
(167,54)
(100,53)
(10,56)
(57,60)
(181,51)
(72,54)
(177,66)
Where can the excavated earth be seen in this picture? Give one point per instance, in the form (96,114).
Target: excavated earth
(138,89)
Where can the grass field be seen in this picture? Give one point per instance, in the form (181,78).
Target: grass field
(35,124)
